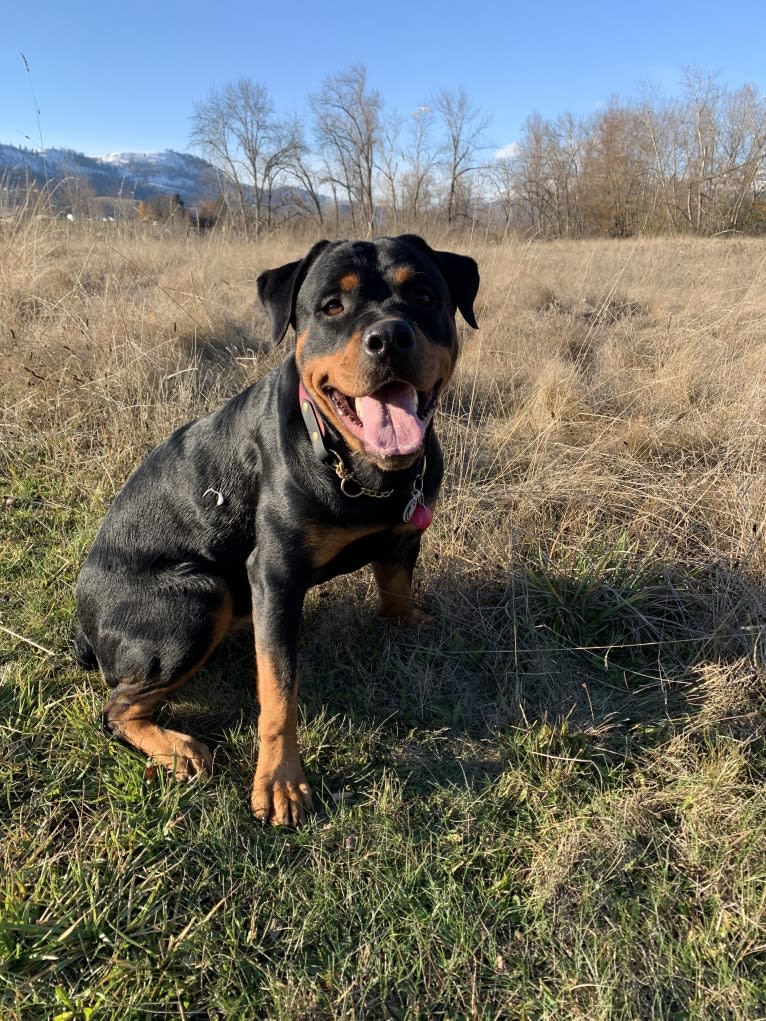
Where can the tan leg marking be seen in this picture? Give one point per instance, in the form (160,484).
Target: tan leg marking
(395,595)
(280,793)
(177,752)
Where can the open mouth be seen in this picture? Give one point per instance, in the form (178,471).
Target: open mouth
(392,421)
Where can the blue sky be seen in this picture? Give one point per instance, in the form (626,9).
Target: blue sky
(117,77)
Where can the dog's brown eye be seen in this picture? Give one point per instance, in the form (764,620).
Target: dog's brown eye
(332,308)
(424,297)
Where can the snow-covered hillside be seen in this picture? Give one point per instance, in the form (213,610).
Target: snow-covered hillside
(130,175)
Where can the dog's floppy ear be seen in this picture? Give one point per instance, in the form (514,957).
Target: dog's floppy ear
(278,288)
(460,272)
(462,276)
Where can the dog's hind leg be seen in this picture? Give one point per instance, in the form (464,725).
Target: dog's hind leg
(131,719)
(128,714)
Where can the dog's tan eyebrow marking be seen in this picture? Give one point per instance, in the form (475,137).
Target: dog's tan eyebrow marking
(348,282)
(403,273)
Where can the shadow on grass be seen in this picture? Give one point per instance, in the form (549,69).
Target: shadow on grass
(599,667)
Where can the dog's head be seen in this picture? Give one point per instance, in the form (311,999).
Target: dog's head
(375,335)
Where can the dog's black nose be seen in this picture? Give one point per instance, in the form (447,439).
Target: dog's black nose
(388,337)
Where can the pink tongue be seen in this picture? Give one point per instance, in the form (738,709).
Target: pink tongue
(390,419)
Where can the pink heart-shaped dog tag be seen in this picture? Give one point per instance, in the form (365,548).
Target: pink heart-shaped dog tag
(422,517)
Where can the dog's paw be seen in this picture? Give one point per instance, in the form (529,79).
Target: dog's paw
(416,618)
(182,756)
(178,753)
(411,617)
(282,798)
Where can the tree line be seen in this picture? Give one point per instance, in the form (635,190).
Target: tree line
(363,164)
(694,163)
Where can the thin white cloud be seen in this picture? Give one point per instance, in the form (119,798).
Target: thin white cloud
(507,152)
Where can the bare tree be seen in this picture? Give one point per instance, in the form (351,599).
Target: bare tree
(708,153)
(617,196)
(407,165)
(286,150)
(701,131)
(536,177)
(567,137)
(660,131)
(464,128)
(743,147)
(693,163)
(300,168)
(213,136)
(421,155)
(389,168)
(503,177)
(725,148)
(347,125)
(235,127)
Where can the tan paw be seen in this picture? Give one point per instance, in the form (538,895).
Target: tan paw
(411,617)
(178,753)
(283,799)
(416,618)
(183,756)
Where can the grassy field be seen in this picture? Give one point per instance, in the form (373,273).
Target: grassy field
(551,804)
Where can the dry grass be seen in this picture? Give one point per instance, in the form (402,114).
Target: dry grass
(556,798)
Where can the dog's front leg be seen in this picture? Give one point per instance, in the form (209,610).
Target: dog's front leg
(280,793)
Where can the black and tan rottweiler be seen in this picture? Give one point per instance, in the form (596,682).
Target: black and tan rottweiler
(327,464)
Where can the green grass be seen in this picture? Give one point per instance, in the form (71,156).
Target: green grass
(466,861)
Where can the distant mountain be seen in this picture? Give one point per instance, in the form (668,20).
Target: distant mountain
(129,175)
(145,174)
